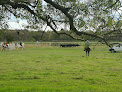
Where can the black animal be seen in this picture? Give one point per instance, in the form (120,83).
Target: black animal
(69,45)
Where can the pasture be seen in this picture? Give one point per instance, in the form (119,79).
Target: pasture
(57,69)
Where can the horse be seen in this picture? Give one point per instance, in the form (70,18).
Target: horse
(5,47)
(87,50)
(20,46)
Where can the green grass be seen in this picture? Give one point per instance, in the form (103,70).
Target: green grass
(55,69)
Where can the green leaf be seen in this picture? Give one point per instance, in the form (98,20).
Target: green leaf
(82,22)
(98,29)
(109,21)
(119,24)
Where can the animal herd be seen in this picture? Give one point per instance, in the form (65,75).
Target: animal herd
(5,47)
(69,45)
(21,45)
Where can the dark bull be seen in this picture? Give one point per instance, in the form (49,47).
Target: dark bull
(69,45)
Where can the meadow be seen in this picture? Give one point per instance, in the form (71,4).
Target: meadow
(57,69)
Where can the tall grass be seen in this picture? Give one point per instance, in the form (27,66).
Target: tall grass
(55,69)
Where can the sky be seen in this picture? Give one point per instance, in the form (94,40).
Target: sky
(17,23)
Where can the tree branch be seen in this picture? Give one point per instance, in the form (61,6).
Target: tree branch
(71,36)
(72,27)
(113,4)
(111,32)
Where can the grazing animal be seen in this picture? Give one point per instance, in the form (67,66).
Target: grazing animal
(70,45)
(20,46)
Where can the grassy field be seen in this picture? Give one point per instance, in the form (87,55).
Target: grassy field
(56,69)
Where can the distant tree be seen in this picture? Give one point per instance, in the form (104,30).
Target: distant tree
(1,35)
(9,38)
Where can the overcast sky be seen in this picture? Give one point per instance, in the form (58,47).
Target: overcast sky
(16,23)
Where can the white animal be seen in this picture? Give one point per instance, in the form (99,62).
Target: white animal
(12,46)
(19,46)
(4,47)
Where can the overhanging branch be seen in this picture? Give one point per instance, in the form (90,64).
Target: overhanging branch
(72,27)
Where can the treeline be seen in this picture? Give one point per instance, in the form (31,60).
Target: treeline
(31,36)
(25,35)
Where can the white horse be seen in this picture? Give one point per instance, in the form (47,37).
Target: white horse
(4,47)
(20,46)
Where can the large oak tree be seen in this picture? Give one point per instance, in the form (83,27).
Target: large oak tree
(96,18)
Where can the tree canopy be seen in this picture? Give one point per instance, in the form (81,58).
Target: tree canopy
(97,18)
